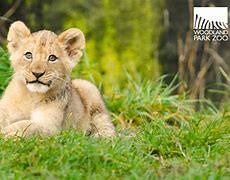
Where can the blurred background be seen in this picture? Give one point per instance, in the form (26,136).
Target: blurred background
(143,39)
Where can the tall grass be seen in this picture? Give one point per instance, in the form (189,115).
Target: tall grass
(144,101)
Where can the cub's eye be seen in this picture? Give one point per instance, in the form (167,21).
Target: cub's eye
(52,58)
(28,55)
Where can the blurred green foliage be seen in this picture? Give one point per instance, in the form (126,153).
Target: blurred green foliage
(5,71)
(119,35)
(122,35)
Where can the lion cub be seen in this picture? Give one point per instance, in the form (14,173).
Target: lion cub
(41,99)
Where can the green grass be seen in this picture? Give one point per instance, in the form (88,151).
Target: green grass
(160,136)
(199,151)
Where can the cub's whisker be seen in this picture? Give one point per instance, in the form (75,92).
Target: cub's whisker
(60,79)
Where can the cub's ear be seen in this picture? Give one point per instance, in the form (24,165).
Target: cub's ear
(73,41)
(17,33)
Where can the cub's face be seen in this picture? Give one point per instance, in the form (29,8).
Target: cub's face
(43,60)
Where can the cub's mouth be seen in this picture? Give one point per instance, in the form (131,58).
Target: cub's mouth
(38,82)
(37,86)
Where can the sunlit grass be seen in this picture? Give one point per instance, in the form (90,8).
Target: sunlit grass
(142,101)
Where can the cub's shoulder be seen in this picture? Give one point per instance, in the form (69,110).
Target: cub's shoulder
(87,91)
(85,85)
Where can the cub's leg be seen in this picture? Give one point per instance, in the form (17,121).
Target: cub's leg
(100,122)
(5,118)
(45,120)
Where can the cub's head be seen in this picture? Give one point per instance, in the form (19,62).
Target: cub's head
(43,60)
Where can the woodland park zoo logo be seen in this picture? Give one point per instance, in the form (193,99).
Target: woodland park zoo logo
(210,24)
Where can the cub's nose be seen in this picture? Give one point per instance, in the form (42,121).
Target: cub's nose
(38,75)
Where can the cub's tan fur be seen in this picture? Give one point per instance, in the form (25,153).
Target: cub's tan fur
(41,98)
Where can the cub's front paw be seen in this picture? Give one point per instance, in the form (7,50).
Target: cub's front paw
(10,132)
(15,130)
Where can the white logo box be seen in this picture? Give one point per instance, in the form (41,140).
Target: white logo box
(210,17)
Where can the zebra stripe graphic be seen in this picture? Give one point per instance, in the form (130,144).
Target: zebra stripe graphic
(202,23)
